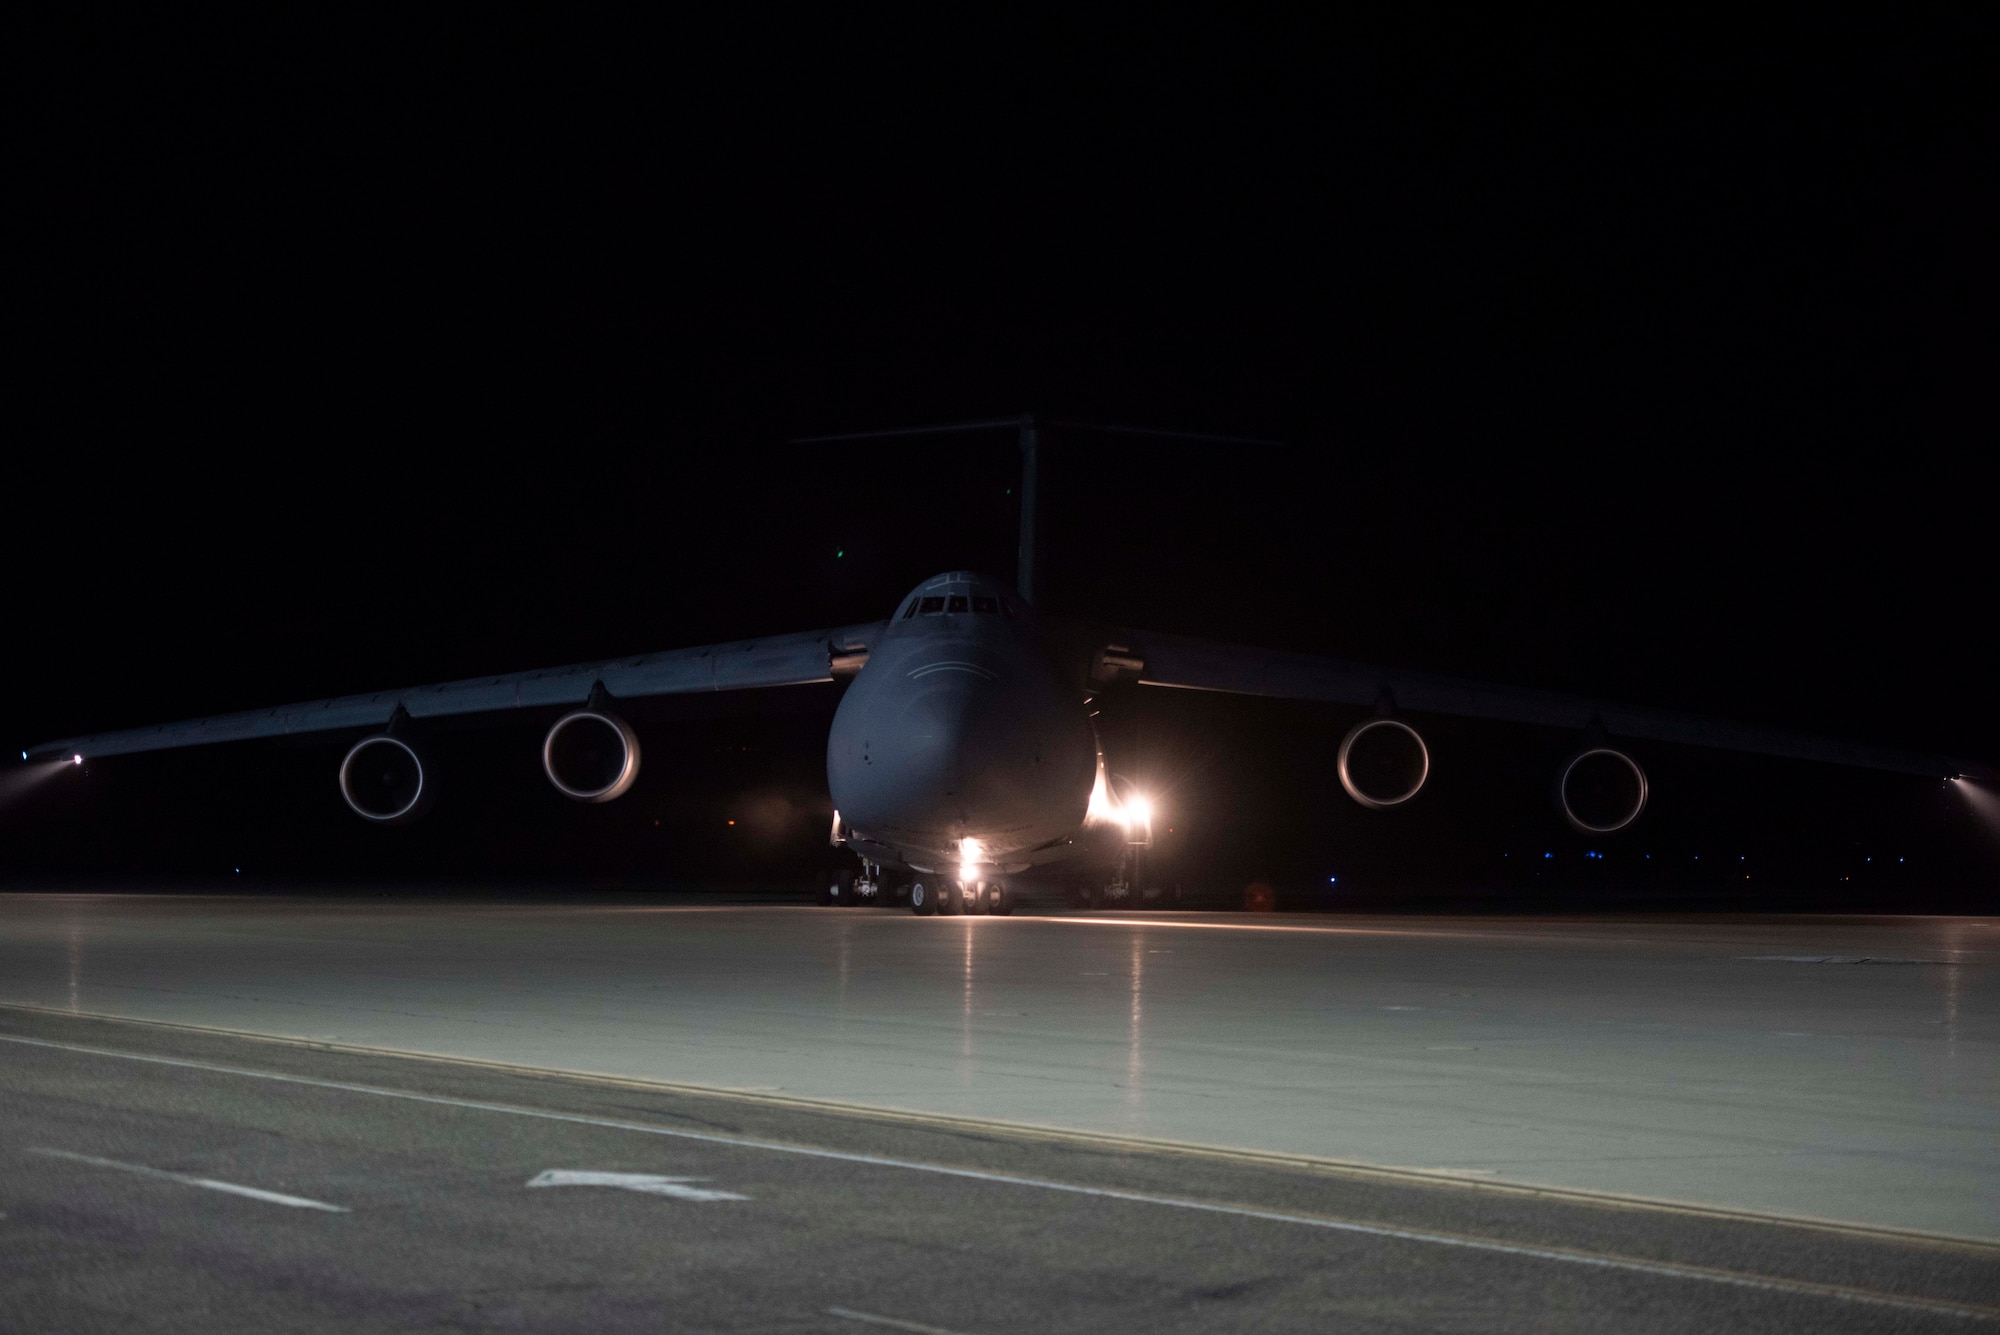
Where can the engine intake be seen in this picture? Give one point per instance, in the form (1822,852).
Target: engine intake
(591,755)
(1601,790)
(1383,763)
(384,780)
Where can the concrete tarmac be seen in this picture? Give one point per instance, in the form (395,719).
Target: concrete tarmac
(1844,1069)
(159,1178)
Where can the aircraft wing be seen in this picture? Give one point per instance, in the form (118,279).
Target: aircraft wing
(781,660)
(1154,659)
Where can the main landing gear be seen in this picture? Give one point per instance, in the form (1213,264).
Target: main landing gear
(1124,889)
(844,889)
(930,895)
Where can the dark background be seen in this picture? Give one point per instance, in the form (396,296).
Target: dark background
(1638,360)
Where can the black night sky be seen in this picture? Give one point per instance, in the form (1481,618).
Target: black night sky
(1648,363)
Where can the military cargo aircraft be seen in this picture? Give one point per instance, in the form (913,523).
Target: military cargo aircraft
(963,751)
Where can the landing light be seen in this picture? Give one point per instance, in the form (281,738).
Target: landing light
(1133,813)
(76,760)
(970,850)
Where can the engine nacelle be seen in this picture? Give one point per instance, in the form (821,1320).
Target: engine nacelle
(591,755)
(1600,790)
(1383,763)
(384,780)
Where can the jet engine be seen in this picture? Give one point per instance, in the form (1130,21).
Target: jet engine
(1600,790)
(385,780)
(1383,762)
(591,755)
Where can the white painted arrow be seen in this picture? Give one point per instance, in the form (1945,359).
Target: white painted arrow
(651,1183)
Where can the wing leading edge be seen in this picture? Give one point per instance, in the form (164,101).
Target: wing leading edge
(1175,661)
(781,660)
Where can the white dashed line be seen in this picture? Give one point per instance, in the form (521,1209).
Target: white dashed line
(185,1179)
(893,1323)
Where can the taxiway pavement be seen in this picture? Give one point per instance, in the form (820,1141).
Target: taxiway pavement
(1838,1068)
(161,1178)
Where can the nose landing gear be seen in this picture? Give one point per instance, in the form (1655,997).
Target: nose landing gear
(928,897)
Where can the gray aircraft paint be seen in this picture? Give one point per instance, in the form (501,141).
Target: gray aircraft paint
(961,725)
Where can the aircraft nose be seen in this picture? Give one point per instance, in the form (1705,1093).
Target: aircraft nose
(952,748)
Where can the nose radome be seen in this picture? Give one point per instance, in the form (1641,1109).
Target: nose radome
(938,725)
(943,758)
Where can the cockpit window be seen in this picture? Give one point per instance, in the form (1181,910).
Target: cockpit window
(987,606)
(914,602)
(931,606)
(957,603)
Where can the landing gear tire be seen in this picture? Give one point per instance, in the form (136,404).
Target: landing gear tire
(999,899)
(923,899)
(837,889)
